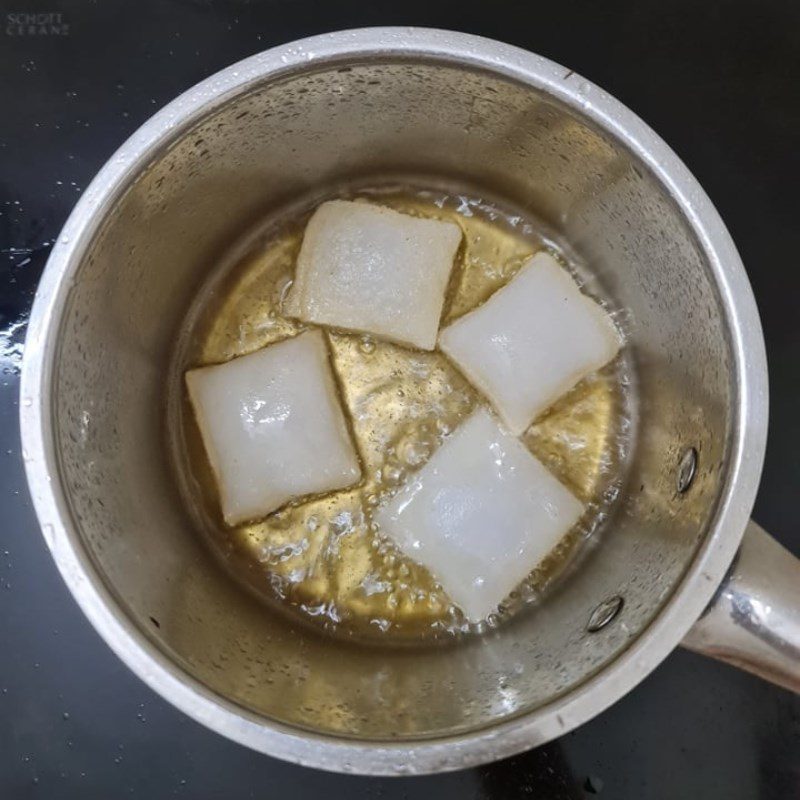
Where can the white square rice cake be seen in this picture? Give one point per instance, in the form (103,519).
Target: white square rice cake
(370,269)
(531,341)
(272,427)
(480,515)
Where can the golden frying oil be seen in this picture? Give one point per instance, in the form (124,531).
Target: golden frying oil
(323,559)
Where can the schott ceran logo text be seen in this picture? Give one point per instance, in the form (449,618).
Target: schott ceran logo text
(49,23)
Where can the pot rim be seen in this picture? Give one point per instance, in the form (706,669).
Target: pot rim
(688,600)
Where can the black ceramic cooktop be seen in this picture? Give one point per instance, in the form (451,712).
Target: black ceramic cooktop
(719,81)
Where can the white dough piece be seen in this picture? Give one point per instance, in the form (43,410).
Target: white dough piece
(368,268)
(480,515)
(272,426)
(531,341)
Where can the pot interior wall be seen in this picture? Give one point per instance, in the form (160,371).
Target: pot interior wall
(270,145)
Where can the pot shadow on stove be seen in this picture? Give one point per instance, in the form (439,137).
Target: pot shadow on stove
(542,774)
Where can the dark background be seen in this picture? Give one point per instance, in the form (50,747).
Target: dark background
(719,81)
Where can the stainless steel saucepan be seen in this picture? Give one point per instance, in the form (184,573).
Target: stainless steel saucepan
(331,108)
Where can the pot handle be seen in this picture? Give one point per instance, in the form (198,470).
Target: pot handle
(753,622)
